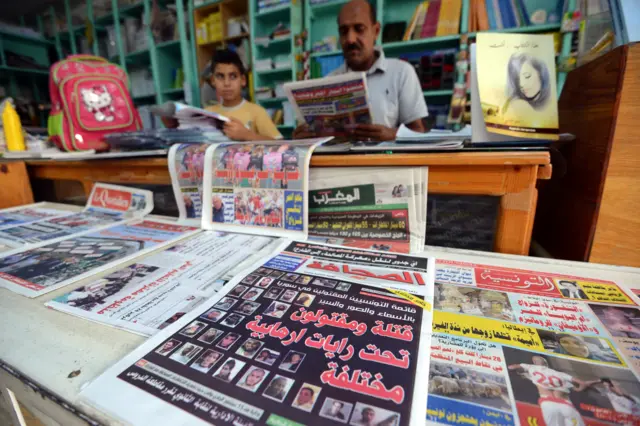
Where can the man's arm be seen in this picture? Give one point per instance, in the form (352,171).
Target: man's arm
(235,130)
(582,385)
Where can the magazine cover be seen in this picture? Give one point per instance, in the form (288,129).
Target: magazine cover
(157,290)
(515,347)
(186,167)
(31,213)
(39,270)
(517,84)
(107,205)
(258,187)
(331,105)
(378,210)
(289,342)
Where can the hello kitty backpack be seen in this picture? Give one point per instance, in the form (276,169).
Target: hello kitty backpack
(89,99)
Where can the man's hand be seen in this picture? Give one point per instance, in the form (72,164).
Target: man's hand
(376,132)
(235,130)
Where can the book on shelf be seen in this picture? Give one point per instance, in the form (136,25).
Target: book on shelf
(434,18)
(502,14)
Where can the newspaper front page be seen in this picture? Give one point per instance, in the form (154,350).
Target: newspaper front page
(107,205)
(186,167)
(379,209)
(331,105)
(36,271)
(157,290)
(31,213)
(311,335)
(258,187)
(514,347)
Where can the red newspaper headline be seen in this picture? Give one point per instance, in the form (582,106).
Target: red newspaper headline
(401,277)
(331,91)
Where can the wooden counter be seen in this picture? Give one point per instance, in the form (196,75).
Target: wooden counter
(511,176)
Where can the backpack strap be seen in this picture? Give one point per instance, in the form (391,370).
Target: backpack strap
(85,58)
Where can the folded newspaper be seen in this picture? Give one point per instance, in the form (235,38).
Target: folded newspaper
(34,271)
(311,334)
(331,105)
(381,208)
(107,205)
(155,291)
(189,116)
(258,187)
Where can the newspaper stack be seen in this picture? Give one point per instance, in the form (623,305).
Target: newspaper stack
(381,208)
(434,138)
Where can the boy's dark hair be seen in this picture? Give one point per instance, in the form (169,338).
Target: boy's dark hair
(226,56)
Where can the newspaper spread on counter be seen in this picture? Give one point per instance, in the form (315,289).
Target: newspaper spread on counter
(36,271)
(258,187)
(157,290)
(107,205)
(186,167)
(30,213)
(514,347)
(381,208)
(331,105)
(313,335)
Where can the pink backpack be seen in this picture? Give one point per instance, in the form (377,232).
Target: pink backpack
(89,99)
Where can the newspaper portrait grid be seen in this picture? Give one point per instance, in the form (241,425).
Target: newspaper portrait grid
(258,187)
(522,347)
(314,335)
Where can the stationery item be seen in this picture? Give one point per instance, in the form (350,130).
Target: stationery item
(12,128)
(517,84)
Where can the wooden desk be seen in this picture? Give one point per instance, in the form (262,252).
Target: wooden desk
(511,176)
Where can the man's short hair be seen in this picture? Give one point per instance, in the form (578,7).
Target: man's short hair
(372,13)
(226,56)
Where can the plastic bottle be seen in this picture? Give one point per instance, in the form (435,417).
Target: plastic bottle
(12,128)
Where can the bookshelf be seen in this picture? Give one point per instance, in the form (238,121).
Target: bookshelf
(281,49)
(321,22)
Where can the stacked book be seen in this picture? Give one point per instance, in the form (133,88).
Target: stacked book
(500,14)
(434,18)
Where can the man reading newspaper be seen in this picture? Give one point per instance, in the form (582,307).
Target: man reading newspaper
(395,94)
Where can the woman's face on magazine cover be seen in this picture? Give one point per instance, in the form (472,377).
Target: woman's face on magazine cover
(530,83)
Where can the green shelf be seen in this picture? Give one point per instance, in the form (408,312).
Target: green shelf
(328,6)
(23,38)
(142,98)
(274,11)
(321,54)
(207,3)
(171,44)
(437,93)
(132,10)
(179,91)
(274,71)
(276,42)
(24,70)
(529,29)
(421,42)
(138,57)
(285,126)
